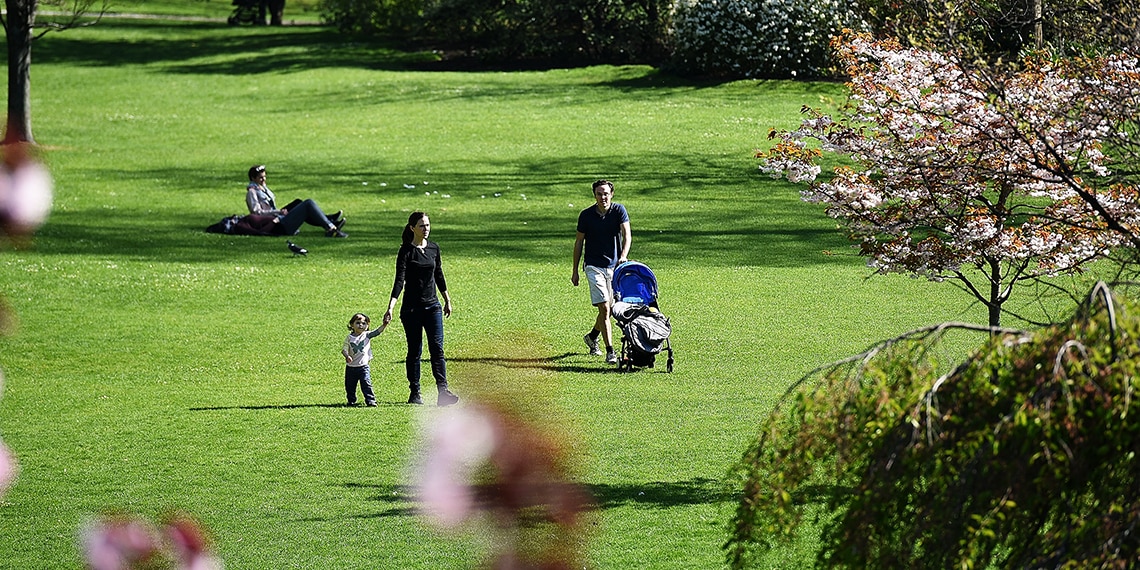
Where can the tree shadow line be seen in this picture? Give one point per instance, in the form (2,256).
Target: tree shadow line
(772,229)
(555,363)
(403,501)
(259,407)
(209,47)
(552,364)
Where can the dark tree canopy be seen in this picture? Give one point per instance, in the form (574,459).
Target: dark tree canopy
(992,30)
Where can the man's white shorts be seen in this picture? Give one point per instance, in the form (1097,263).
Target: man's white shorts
(601,284)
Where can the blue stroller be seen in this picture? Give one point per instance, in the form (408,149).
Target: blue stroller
(644,330)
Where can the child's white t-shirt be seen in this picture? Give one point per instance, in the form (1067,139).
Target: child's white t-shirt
(359,348)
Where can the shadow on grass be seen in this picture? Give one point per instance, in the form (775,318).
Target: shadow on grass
(379,404)
(197,47)
(770,227)
(215,48)
(555,363)
(661,494)
(266,407)
(401,500)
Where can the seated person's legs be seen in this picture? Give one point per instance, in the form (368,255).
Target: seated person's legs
(308,212)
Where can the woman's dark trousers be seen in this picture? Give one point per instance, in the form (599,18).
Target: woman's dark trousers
(417,323)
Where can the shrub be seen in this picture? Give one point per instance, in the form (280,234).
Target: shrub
(548,31)
(1023,456)
(757,38)
(393,18)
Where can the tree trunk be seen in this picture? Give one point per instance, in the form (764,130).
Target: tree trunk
(20,22)
(995,294)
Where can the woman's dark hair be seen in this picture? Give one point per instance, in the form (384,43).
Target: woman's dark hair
(255,170)
(412,220)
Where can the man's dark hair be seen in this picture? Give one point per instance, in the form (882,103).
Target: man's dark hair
(603,182)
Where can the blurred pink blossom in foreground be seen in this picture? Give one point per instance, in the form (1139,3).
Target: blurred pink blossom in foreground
(25,191)
(8,468)
(25,200)
(461,440)
(119,542)
(487,459)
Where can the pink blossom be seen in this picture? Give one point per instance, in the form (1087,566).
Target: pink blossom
(25,191)
(457,441)
(984,169)
(188,541)
(490,459)
(118,543)
(9,468)
(123,542)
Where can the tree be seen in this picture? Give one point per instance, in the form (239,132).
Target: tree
(999,30)
(982,177)
(1022,456)
(19,25)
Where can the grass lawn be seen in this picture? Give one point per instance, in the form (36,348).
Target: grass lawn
(158,367)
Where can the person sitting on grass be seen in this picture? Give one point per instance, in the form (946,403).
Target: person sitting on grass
(261,201)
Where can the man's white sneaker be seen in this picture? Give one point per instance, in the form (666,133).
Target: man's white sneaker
(611,358)
(592,344)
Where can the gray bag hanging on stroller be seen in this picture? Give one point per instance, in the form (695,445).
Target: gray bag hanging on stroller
(644,330)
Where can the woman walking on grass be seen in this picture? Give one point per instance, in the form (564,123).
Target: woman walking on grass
(419,273)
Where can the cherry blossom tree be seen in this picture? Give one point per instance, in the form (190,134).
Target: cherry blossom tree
(980,177)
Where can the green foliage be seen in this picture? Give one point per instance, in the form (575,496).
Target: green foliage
(1024,455)
(562,32)
(400,19)
(1000,30)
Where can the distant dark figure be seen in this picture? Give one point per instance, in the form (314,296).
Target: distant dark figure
(275,8)
(245,12)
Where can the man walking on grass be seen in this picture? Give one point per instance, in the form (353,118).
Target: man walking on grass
(604,229)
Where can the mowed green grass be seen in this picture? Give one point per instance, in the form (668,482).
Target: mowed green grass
(157,367)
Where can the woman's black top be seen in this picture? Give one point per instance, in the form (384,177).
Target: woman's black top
(422,272)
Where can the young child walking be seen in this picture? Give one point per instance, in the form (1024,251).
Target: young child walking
(357,353)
